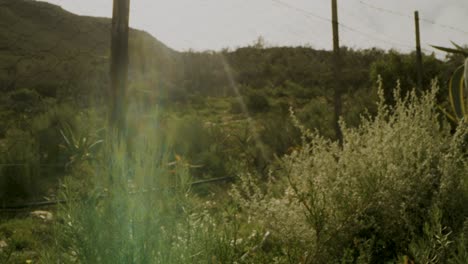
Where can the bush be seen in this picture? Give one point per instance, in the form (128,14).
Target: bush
(19,166)
(24,100)
(237,106)
(372,197)
(317,114)
(200,143)
(47,89)
(257,102)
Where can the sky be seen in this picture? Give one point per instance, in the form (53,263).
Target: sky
(216,24)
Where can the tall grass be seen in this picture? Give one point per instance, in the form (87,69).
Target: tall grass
(135,206)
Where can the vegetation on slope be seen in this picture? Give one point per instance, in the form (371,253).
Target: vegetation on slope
(222,114)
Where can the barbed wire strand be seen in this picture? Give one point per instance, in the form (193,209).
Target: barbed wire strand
(429,21)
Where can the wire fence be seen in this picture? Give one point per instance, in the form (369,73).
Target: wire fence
(41,165)
(5,208)
(400,14)
(374,36)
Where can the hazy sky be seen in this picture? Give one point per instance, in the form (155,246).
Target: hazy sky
(216,24)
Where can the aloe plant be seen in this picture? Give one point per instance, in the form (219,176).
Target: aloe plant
(458,85)
(78,147)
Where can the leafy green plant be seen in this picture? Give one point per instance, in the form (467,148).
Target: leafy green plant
(78,147)
(458,85)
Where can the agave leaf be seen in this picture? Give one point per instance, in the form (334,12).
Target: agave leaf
(451,50)
(62,146)
(463,96)
(65,138)
(458,46)
(195,166)
(447,114)
(173,163)
(95,144)
(466,77)
(456,90)
(71,135)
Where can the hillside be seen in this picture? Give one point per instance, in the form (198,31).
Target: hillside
(51,58)
(48,49)
(40,42)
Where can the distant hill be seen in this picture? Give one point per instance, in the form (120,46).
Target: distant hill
(60,54)
(41,43)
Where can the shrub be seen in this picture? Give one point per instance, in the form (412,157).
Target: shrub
(318,115)
(47,89)
(19,166)
(202,144)
(371,197)
(24,100)
(257,102)
(237,106)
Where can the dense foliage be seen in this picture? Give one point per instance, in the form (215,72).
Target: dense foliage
(398,183)
(395,191)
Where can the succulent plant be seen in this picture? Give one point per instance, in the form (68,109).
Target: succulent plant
(458,85)
(78,147)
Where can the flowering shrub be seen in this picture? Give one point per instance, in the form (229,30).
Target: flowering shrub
(368,199)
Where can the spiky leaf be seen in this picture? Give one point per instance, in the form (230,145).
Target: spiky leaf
(456,93)
(458,46)
(466,76)
(451,50)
